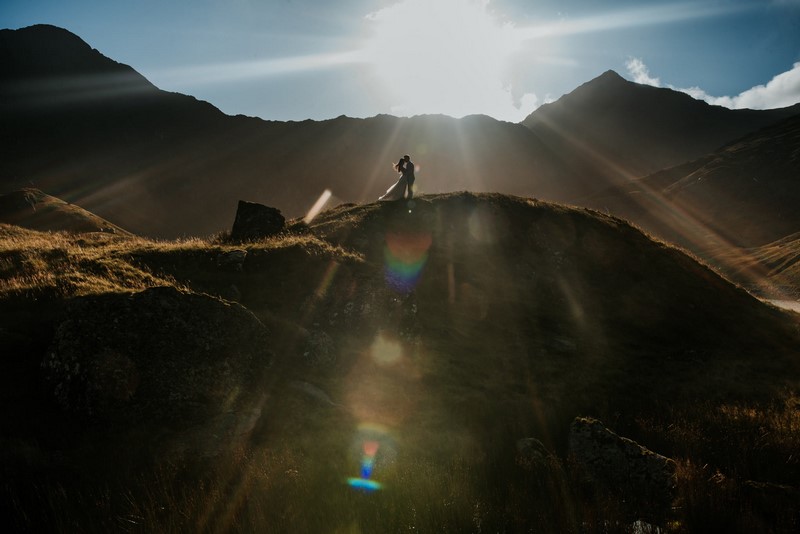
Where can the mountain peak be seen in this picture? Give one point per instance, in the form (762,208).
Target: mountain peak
(46,51)
(610,75)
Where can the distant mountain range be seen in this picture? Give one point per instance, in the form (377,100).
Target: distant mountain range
(744,194)
(94,132)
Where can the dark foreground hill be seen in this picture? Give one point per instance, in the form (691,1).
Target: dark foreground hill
(409,344)
(96,133)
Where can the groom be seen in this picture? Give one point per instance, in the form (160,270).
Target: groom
(408,170)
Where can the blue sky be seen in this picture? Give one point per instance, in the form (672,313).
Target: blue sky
(318,59)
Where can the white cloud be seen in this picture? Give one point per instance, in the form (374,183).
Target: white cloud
(640,73)
(781,91)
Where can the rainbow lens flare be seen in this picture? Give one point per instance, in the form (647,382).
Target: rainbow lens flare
(370,437)
(364,484)
(405,255)
(368,460)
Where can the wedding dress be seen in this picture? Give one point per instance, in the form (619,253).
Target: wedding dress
(397,191)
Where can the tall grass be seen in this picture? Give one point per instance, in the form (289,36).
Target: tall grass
(299,485)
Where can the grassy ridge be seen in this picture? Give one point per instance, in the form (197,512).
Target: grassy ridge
(521,316)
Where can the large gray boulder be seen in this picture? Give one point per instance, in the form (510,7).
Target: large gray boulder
(255,221)
(645,479)
(160,359)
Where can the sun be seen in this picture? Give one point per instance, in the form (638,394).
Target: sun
(444,56)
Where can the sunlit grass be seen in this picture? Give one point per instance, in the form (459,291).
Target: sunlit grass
(67,264)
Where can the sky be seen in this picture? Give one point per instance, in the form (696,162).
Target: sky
(319,59)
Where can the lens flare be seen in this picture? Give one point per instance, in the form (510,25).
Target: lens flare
(371,438)
(368,459)
(317,207)
(385,351)
(364,485)
(405,255)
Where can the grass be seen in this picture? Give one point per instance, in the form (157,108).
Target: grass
(298,485)
(524,316)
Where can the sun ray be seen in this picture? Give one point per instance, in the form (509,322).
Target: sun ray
(630,18)
(239,71)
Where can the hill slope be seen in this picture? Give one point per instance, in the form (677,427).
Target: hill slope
(477,291)
(30,208)
(724,204)
(745,193)
(440,332)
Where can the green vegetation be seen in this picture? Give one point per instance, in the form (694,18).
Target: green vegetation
(440,333)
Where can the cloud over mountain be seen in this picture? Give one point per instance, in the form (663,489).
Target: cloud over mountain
(781,91)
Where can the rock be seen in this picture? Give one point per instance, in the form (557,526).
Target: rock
(532,454)
(772,500)
(232,260)
(319,349)
(256,221)
(644,479)
(158,359)
(314,392)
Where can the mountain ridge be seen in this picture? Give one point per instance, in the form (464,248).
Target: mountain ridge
(629,130)
(183,164)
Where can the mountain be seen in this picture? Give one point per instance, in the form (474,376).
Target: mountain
(433,338)
(772,269)
(93,132)
(617,130)
(30,208)
(744,194)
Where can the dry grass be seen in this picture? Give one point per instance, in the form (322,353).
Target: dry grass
(298,484)
(555,316)
(65,265)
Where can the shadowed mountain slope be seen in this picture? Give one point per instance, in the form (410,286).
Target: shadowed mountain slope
(619,130)
(745,194)
(96,133)
(87,129)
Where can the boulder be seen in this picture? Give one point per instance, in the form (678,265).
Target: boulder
(532,454)
(232,260)
(319,348)
(644,479)
(256,221)
(159,359)
(772,500)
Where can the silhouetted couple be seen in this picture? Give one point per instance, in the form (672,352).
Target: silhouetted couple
(398,191)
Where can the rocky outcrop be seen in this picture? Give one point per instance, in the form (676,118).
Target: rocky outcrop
(256,221)
(645,479)
(532,454)
(159,358)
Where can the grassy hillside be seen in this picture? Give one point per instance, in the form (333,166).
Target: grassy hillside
(438,333)
(771,269)
(30,208)
(742,194)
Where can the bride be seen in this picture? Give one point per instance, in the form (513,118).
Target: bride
(398,190)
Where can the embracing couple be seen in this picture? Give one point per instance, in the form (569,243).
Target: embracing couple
(398,191)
